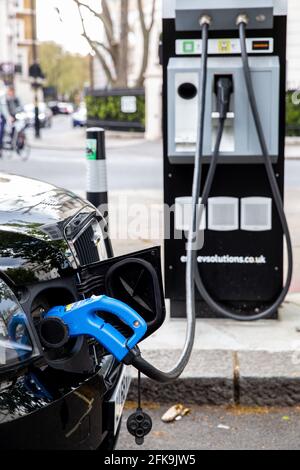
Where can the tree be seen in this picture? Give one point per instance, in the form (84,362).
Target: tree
(113,51)
(67,72)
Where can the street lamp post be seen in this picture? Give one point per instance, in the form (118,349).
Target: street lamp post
(35,85)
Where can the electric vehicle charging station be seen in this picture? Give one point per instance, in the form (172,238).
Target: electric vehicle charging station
(241,262)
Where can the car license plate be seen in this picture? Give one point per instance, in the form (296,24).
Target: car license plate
(118,399)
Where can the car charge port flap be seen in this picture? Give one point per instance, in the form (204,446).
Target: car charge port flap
(135,279)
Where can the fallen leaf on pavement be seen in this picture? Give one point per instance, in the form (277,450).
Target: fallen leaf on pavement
(159,434)
(175,413)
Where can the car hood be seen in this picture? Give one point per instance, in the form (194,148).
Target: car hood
(33,216)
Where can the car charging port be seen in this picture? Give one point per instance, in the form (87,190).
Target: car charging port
(77,355)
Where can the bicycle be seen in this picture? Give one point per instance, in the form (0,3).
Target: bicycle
(16,142)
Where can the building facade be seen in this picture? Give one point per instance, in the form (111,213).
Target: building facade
(7,38)
(294,44)
(17,37)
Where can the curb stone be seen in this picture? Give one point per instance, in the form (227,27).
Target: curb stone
(258,379)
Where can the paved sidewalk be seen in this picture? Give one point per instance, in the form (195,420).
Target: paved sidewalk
(293,148)
(74,139)
(218,428)
(238,363)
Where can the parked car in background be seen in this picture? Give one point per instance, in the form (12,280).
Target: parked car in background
(53,105)
(79,117)
(45,115)
(65,108)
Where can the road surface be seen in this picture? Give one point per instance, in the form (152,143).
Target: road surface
(210,428)
(136,166)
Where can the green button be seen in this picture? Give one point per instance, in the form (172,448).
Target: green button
(188,47)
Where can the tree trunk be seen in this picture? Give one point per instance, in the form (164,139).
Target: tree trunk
(122,73)
(141,78)
(113,52)
(146,31)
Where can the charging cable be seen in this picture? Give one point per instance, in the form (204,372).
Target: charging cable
(136,360)
(213,304)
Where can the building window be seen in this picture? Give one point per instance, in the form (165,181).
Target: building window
(20,30)
(19,5)
(22,62)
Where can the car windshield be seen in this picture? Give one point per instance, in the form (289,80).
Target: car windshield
(15,340)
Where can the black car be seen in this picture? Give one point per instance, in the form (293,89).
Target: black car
(54,251)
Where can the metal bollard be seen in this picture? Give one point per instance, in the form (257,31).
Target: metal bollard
(96,169)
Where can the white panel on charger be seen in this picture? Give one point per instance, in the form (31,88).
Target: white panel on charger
(183,214)
(223,214)
(256,214)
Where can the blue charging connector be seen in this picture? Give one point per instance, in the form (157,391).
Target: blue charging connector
(84,318)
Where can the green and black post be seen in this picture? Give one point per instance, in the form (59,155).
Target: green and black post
(96,169)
